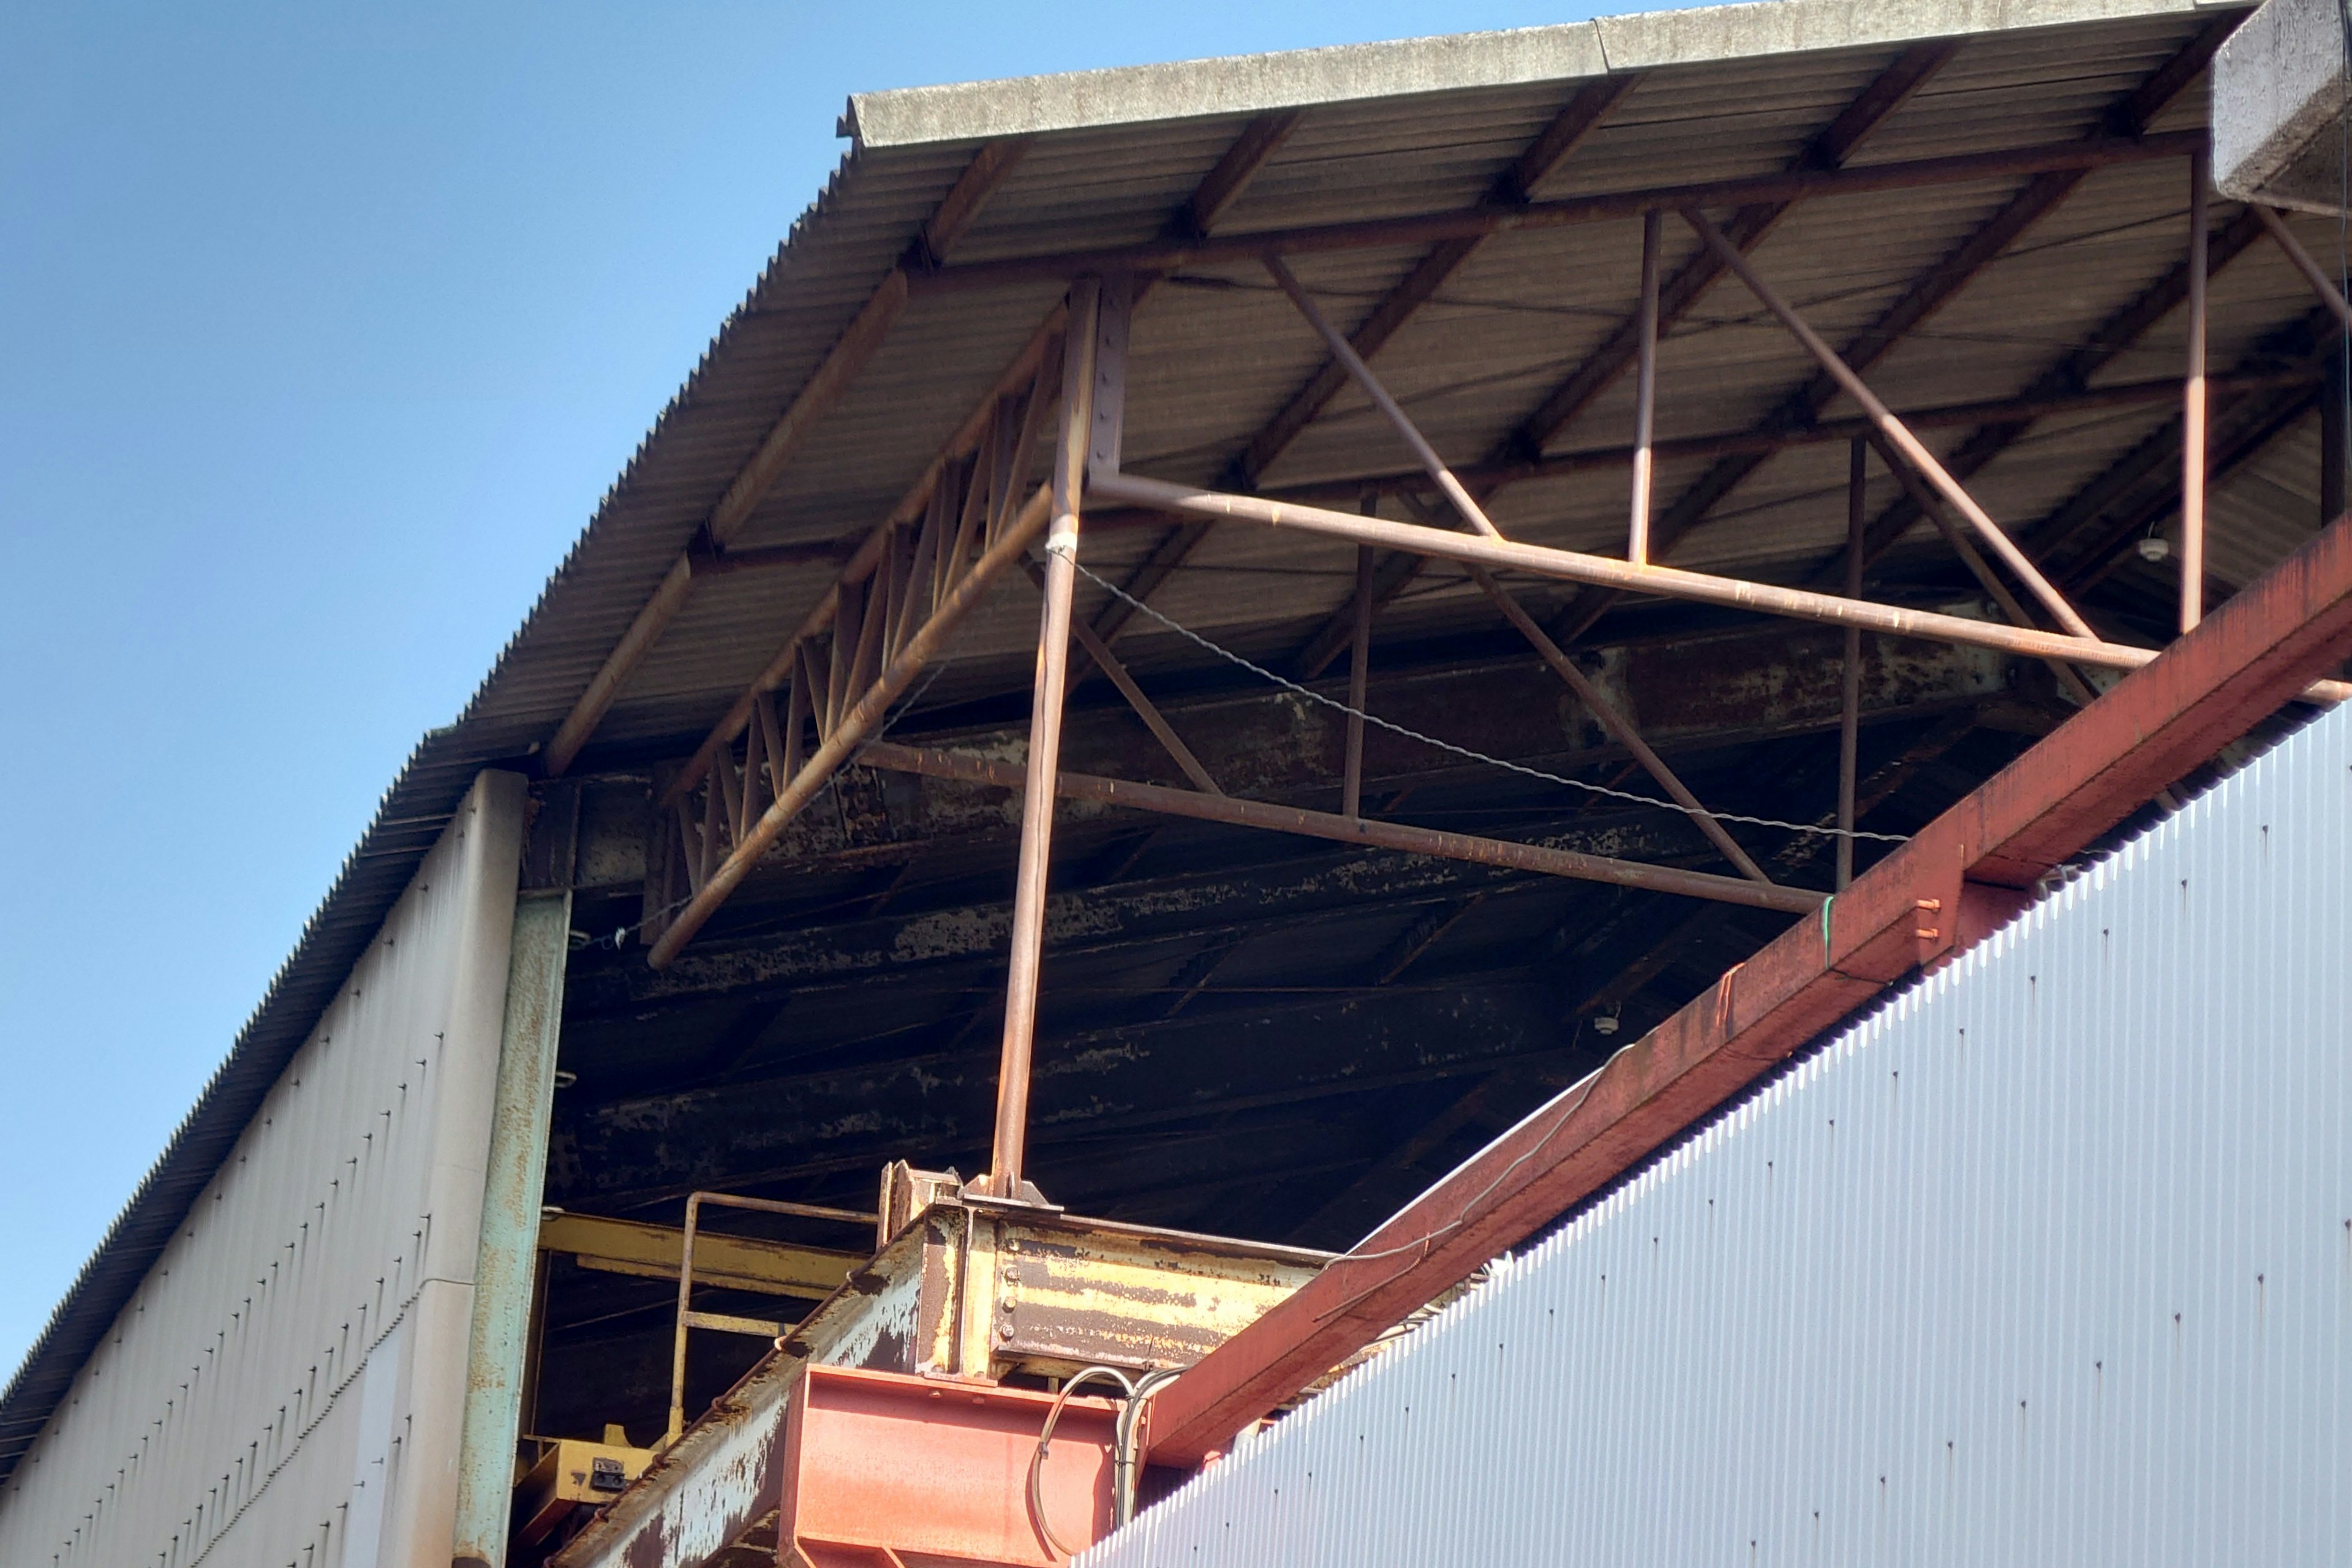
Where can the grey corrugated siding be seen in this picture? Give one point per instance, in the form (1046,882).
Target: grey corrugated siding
(2047,1261)
(264,1394)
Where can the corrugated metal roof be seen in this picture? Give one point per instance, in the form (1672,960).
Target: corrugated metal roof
(1394,129)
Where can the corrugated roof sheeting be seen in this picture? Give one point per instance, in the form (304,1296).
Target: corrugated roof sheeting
(2045,1261)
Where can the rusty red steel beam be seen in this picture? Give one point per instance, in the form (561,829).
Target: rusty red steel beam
(1378,834)
(826,385)
(1161,257)
(1953,882)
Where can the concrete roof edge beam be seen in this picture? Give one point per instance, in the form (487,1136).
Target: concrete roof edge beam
(1301,79)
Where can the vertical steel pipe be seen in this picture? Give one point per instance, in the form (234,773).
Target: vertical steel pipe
(1045,739)
(685,1308)
(1858,525)
(1645,391)
(1359,669)
(2192,410)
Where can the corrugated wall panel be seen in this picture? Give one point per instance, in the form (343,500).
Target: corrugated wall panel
(283,1386)
(2049,1260)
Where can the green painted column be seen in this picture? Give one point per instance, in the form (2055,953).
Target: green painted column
(511,1197)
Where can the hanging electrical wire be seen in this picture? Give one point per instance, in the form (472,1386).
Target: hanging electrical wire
(1465,752)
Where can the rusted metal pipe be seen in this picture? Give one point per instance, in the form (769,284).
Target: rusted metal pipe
(1373,832)
(1359,670)
(1345,353)
(2314,274)
(1645,389)
(1620,728)
(2192,410)
(1605,572)
(1028,937)
(1857,528)
(1931,507)
(1116,671)
(1667,582)
(1895,431)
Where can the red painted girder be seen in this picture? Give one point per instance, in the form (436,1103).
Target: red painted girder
(881,1468)
(1961,877)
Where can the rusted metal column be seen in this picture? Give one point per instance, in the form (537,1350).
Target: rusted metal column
(1898,434)
(1359,669)
(1645,391)
(1857,526)
(1071,452)
(2192,410)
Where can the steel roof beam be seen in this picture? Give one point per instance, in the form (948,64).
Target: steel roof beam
(1618,577)
(2054,538)
(1162,256)
(1368,831)
(1953,882)
(1827,151)
(1512,189)
(1996,413)
(826,385)
(1928,293)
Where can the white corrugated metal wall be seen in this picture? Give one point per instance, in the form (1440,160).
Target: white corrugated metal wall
(2049,1260)
(285,1388)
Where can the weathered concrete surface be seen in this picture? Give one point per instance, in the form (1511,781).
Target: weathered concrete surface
(2279,107)
(1300,78)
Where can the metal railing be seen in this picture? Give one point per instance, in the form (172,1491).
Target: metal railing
(724,1323)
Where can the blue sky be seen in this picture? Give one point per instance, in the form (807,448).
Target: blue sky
(321,332)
